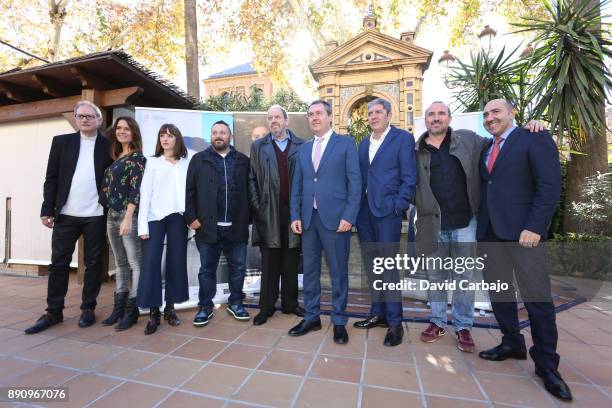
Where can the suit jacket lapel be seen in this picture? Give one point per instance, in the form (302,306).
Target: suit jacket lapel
(384,144)
(307,148)
(505,148)
(327,152)
(72,153)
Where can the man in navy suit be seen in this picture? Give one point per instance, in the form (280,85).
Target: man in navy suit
(388,170)
(325,194)
(521,186)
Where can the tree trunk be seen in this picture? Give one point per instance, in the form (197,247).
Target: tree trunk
(191,49)
(594,159)
(57,15)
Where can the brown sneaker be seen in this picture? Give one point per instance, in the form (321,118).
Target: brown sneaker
(432,333)
(465,341)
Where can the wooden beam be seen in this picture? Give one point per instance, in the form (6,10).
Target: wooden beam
(89,81)
(15,94)
(48,86)
(55,107)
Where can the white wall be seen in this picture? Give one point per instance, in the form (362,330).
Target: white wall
(23,162)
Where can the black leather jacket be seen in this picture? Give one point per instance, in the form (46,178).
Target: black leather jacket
(264,187)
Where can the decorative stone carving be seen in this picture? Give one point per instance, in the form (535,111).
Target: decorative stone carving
(347,93)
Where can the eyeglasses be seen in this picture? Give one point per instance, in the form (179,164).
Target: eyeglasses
(86,117)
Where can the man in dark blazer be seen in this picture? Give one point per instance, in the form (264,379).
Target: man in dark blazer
(521,186)
(388,171)
(70,207)
(273,159)
(325,194)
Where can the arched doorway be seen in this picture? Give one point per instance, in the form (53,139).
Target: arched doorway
(358,118)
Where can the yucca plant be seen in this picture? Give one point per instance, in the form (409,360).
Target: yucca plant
(570,83)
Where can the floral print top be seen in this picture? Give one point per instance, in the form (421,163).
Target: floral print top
(121,184)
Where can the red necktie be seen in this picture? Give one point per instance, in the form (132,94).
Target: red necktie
(494,153)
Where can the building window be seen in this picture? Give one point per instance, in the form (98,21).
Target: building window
(410,118)
(240,90)
(409,84)
(330,90)
(331,103)
(410,98)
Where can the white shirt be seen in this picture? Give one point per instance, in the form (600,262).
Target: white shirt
(83,196)
(375,144)
(162,191)
(325,138)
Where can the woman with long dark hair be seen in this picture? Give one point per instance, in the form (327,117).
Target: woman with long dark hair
(121,195)
(162,204)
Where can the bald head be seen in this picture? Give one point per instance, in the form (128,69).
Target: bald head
(498,116)
(278,120)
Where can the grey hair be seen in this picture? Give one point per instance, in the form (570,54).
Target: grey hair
(380,101)
(447,108)
(285,115)
(326,105)
(91,105)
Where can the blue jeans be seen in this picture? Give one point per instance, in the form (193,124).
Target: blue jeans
(454,243)
(235,253)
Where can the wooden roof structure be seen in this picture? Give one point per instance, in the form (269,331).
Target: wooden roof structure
(109,79)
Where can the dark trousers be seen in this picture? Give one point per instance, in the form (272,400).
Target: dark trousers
(530,268)
(174,228)
(380,237)
(336,246)
(66,233)
(279,265)
(235,253)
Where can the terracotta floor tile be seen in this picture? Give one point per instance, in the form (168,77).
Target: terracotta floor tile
(288,362)
(443,402)
(321,393)
(269,389)
(447,382)
(89,334)
(260,337)
(600,374)
(309,343)
(376,397)
(222,331)
(127,364)
(124,396)
(200,349)
(162,343)
(84,389)
(399,354)
(186,400)
(478,364)
(391,375)
(218,380)
(86,357)
(566,369)
(45,376)
(127,338)
(588,396)
(355,347)
(436,355)
(514,390)
(8,333)
(52,350)
(242,356)
(22,342)
(170,371)
(10,368)
(337,368)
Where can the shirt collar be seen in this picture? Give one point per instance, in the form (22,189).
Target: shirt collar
(505,135)
(287,137)
(325,136)
(380,140)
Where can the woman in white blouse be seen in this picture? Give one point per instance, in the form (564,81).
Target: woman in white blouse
(162,204)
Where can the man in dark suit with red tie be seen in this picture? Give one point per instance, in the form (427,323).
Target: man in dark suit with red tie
(521,186)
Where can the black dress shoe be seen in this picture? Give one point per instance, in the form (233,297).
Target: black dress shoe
(44,322)
(554,383)
(298,311)
(371,321)
(503,352)
(394,336)
(304,327)
(260,319)
(340,334)
(87,318)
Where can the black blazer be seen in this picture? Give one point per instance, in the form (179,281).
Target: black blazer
(524,187)
(62,163)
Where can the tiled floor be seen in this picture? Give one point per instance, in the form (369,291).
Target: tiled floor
(234,364)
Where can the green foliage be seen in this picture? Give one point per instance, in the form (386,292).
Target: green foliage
(572,79)
(359,129)
(254,101)
(595,208)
